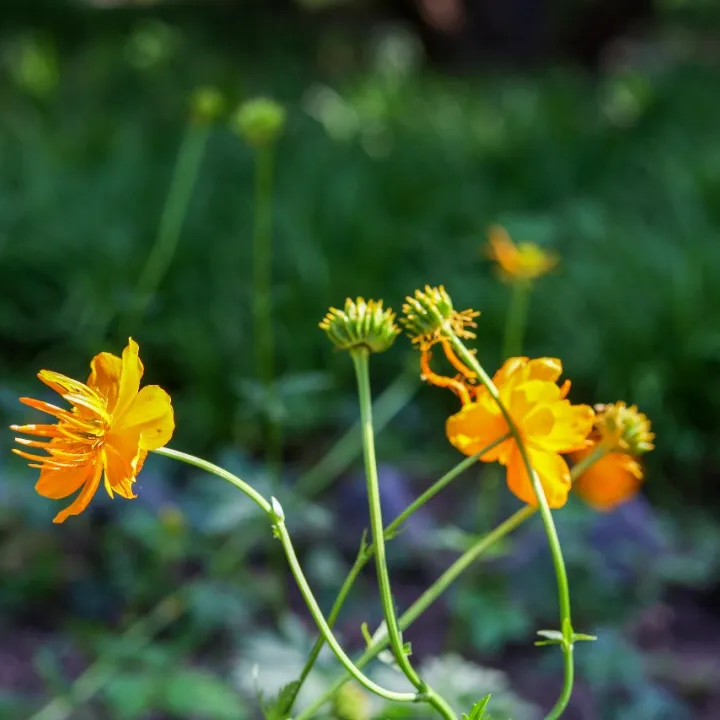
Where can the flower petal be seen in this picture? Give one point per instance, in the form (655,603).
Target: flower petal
(130,375)
(551,469)
(151,415)
(571,427)
(120,460)
(57,484)
(85,496)
(105,371)
(610,481)
(475,427)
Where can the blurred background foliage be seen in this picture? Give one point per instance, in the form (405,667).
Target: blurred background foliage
(591,130)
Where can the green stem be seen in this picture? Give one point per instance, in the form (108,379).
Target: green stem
(426,600)
(360,359)
(366,551)
(264,337)
(553,541)
(390,402)
(516,319)
(274,512)
(187,167)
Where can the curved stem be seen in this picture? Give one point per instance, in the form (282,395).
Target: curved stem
(366,551)
(550,529)
(360,360)
(427,599)
(282,535)
(273,510)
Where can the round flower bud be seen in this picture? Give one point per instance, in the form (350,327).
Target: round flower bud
(361,324)
(259,121)
(207,105)
(350,703)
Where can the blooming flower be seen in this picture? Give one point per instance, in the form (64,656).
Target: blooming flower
(524,261)
(548,424)
(108,431)
(624,433)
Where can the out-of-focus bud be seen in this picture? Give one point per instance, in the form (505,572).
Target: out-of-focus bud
(350,702)
(624,428)
(259,121)
(207,105)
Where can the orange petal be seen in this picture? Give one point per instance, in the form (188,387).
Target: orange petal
(58,484)
(151,415)
(610,481)
(475,427)
(120,459)
(85,496)
(130,376)
(551,469)
(105,371)
(549,369)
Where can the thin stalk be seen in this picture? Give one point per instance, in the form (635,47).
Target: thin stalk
(446,579)
(360,360)
(264,336)
(426,600)
(389,403)
(516,318)
(280,530)
(366,551)
(187,167)
(553,541)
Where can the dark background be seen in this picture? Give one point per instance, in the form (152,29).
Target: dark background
(590,128)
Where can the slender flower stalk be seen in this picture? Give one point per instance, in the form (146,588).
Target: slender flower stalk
(516,319)
(438,588)
(184,177)
(366,551)
(360,359)
(274,512)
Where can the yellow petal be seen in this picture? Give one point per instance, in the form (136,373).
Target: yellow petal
(549,369)
(129,382)
(151,415)
(57,484)
(120,459)
(551,469)
(475,427)
(85,496)
(571,427)
(105,371)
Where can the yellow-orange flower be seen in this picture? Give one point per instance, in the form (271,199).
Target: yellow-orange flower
(610,481)
(524,261)
(108,431)
(623,432)
(548,423)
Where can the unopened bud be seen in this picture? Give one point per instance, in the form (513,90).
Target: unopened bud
(207,105)
(260,121)
(361,324)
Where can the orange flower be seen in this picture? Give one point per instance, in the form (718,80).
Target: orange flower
(548,423)
(524,261)
(610,481)
(109,429)
(624,433)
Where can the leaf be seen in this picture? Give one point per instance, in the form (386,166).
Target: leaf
(191,692)
(131,695)
(478,709)
(280,706)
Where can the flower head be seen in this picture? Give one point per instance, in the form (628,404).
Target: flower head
(260,121)
(361,324)
(524,261)
(624,434)
(548,424)
(429,314)
(207,105)
(107,432)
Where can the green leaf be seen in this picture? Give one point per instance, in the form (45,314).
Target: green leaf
(478,709)
(131,695)
(192,692)
(280,706)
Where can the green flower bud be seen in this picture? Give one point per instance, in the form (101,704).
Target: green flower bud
(361,324)
(350,703)
(624,428)
(207,105)
(259,121)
